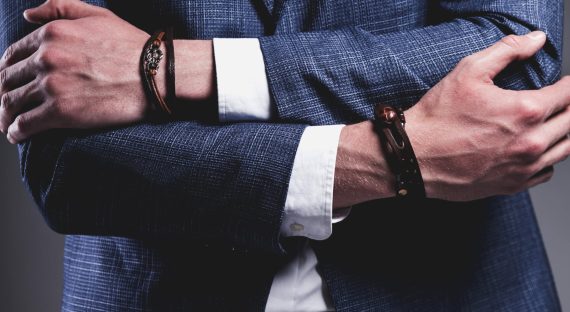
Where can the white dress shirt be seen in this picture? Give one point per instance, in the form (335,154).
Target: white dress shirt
(243,95)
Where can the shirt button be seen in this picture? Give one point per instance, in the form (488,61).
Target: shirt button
(296,227)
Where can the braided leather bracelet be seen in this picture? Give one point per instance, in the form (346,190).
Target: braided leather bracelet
(389,125)
(149,63)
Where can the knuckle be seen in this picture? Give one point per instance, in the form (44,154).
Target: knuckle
(8,53)
(5,102)
(511,41)
(46,58)
(530,111)
(4,116)
(531,148)
(22,123)
(54,29)
(51,84)
(3,78)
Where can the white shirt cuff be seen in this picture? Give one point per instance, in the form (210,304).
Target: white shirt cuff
(243,91)
(340,214)
(308,207)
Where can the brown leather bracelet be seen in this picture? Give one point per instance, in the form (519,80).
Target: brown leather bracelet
(150,59)
(170,106)
(389,124)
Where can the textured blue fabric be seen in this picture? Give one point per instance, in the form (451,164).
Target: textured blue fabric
(332,61)
(188,214)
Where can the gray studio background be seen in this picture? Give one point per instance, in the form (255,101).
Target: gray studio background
(32,256)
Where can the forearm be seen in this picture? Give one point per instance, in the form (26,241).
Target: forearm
(338,76)
(362,173)
(468,148)
(195,72)
(329,77)
(186,180)
(105,214)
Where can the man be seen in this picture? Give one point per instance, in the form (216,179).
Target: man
(195,216)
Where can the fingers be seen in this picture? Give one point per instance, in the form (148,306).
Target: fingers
(61,9)
(556,97)
(17,75)
(491,61)
(554,129)
(544,166)
(554,155)
(21,49)
(558,126)
(48,11)
(30,123)
(542,177)
(14,102)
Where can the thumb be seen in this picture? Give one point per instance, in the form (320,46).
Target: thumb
(491,61)
(60,9)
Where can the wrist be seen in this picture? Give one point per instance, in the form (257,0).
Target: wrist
(195,76)
(362,173)
(389,125)
(426,149)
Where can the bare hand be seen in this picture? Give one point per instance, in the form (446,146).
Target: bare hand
(472,138)
(476,140)
(81,72)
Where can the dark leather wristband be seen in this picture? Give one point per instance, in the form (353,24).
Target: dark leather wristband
(389,125)
(170,71)
(199,110)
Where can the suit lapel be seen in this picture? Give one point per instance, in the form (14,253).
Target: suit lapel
(269,6)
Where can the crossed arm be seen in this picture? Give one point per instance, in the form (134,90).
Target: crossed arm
(213,192)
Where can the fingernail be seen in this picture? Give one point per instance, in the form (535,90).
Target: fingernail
(10,139)
(536,35)
(27,14)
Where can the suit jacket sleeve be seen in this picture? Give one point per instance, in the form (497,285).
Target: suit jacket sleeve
(337,76)
(216,185)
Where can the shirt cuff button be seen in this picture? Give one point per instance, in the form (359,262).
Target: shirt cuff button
(296,227)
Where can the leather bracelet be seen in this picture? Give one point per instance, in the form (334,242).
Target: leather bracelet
(171,71)
(150,59)
(389,125)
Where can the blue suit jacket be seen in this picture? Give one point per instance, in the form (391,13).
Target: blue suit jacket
(185,216)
